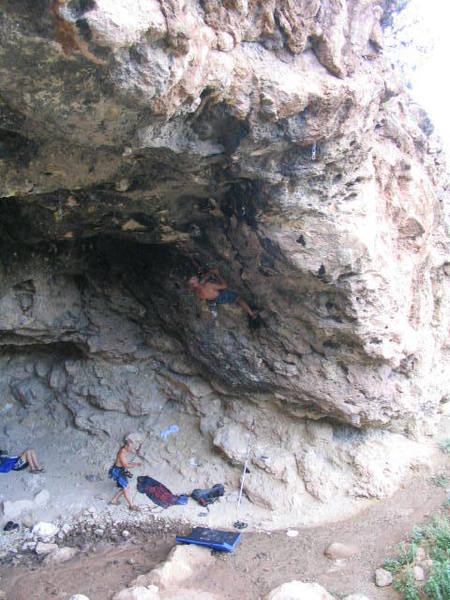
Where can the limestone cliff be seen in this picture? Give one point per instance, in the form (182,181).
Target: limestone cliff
(272,139)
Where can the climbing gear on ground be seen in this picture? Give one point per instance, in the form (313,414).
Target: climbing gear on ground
(240,524)
(208,495)
(158,493)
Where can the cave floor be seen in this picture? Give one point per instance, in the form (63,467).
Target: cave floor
(261,562)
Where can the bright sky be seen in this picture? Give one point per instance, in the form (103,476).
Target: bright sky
(431,80)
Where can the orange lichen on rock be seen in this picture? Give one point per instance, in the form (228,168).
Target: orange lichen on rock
(67,36)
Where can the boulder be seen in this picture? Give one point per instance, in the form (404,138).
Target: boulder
(13,509)
(138,593)
(297,590)
(181,563)
(44,531)
(61,555)
(383,578)
(337,551)
(42,549)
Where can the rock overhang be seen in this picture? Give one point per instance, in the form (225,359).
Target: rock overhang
(266,143)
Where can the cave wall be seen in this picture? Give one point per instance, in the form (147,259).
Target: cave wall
(271,139)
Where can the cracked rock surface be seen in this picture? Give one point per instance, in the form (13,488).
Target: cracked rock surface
(141,142)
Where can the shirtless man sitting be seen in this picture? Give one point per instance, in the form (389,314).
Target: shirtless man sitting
(216,292)
(121,474)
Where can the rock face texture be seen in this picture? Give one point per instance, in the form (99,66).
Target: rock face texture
(142,142)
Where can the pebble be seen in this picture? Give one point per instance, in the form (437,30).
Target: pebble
(292,533)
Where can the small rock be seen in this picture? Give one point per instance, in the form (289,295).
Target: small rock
(337,550)
(44,531)
(61,555)
(42,549)
(419,574)
(356,597)
(79,597)
(99,532)
(126,534)
(383,578)
(426,564)
(122,185)
(297,590)
(27,546)
(292,533)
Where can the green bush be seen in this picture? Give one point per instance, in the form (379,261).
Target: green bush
(435,540)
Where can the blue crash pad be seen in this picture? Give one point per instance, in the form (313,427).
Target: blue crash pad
(226,541)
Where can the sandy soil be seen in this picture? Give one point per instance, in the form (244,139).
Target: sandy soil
(261,562)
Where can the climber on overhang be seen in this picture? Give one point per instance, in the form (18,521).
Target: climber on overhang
(213,289)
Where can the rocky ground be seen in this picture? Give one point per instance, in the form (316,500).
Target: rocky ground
(113,548)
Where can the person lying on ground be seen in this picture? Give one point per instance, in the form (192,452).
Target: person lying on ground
(18,463)
(215,291)
(120,473)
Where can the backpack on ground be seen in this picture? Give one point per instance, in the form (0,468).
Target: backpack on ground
(208,495)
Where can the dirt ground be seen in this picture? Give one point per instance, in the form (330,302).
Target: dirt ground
(261,562)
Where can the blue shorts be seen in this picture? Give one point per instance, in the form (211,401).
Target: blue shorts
(224,297)
(120,477)
(12,463)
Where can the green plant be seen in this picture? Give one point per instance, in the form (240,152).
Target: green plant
(434,538)
(438,585)
(406,584)
(406,556)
